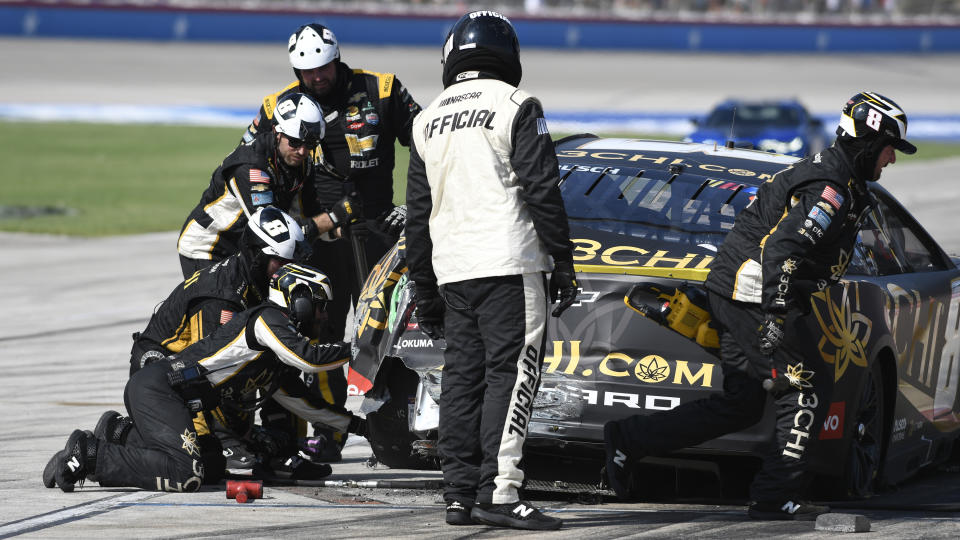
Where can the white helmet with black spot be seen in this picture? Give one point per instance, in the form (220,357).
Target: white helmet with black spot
(311,46)
(300,117)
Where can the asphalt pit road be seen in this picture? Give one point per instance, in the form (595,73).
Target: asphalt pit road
(26,212)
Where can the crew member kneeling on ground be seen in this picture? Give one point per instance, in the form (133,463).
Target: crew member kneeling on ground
(207,300)
(263,347)
(486,218)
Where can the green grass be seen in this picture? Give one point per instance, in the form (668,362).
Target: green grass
(119,179)
(130,179)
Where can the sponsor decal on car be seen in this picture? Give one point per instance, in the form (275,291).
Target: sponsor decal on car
(652,368)
(649,402)
(846,330)
(589,168)
(590,252)
(833,423)
(661,160)
(421,343)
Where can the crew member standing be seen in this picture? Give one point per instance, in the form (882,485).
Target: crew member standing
(366,113)
(795,239)
(486,222)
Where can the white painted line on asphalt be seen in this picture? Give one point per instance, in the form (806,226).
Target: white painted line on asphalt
(73,513)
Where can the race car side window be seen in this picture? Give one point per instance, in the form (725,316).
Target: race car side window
(874,254)
(913,246)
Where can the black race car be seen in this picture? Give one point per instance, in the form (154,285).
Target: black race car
(646,219)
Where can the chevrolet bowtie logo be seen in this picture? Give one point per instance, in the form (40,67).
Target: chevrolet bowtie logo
(585,297)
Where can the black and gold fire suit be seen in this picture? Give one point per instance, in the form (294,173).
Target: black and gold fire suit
(197,306)
(258,349)
(251,177)
(366,114)
(796,238)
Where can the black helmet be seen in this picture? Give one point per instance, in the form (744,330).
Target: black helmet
(301,289)
(271,233)
(869,115)
(481,41)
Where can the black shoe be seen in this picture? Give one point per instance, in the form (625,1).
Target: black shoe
(49,472)
(113,427)
(76,460)
(786,511)
(296,467)
(518,515)
(619,464)
(458,514)
(239,461)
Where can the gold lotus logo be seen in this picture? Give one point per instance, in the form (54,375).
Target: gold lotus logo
(799,378)
(652,369)
(845,330)
(190,442)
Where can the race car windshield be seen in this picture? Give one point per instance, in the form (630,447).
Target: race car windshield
(753,116)
(655,205)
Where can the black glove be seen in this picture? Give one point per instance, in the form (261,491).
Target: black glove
(346,212)
(357,229)
(358,426)
(770,334)
(393,221)
(563,286)
(430,309)
(270,442)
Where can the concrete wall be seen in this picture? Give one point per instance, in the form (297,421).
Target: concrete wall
(164,24)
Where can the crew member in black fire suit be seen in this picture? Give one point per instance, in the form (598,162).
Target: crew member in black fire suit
(209,299)
(263,347)
(795,239)
(366,112)
(273,169)
(486,223)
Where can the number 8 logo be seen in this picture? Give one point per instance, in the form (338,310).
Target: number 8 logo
(873,119)
(275,227)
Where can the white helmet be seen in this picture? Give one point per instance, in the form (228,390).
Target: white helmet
(312,46)
(274,233)
(299,116)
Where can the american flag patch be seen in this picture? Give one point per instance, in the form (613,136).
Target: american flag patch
(542,126)
(832,197)
(225,316)
(256,175)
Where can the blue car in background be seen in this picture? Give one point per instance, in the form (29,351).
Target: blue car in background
(779,126)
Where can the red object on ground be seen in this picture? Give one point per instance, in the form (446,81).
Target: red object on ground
(244,490)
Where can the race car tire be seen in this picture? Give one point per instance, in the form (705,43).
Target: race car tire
(388,432)
(865,454)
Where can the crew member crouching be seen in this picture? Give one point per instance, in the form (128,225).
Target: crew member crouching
(264,347)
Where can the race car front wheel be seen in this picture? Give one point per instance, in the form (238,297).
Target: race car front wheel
(388,427)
